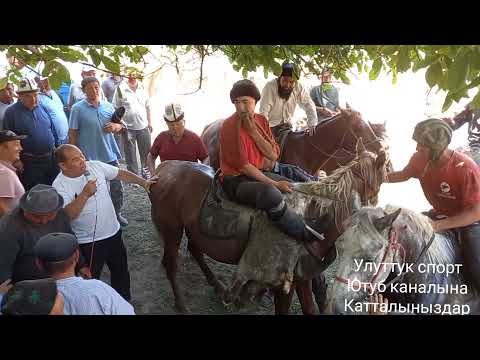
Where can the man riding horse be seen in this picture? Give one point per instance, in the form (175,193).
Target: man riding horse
(451,183)
(246,146)
(280,98)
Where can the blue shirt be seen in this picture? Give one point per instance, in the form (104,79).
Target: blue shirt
(35,123)
(63,92)
(91,297)
(95,143)
(54,107)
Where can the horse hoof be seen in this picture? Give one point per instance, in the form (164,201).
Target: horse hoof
(181,308)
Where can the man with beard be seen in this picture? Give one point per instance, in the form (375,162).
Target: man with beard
(280,98)
(278,103)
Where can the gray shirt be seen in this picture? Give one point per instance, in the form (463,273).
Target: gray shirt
(109,86)
(3,107)
(17,260)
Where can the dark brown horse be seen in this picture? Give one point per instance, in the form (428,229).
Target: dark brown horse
(176,202)
(332,146)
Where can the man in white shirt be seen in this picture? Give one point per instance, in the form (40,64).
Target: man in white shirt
(280,98)
(133,97)
(84,188)
(58,254)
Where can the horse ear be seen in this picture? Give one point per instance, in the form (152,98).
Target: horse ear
(360,147)
(386,221)
(381,159)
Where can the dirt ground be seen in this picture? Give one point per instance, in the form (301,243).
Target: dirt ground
(151,291)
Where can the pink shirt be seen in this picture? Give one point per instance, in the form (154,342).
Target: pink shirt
(10,186)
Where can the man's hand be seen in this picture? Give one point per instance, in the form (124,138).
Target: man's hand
(248,123)
(147,183)
(85,272)
(284,186)
(449,121)
(90,188)
(311,130)
(435,225)
(150,128)
(377,299)
(5,286)
(325,111)
(112,127)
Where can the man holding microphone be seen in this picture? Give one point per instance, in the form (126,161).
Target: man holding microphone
(83,186)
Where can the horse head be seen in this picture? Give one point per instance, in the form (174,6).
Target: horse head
(366,253)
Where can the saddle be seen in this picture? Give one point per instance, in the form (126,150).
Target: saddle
(218,219)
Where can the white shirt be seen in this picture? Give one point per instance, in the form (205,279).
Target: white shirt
(135,103)
(92,297)
(278,110)
(97,220)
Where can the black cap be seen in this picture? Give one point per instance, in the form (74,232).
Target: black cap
(288,69)
(244,88)
(8,135)
(30,297)
(55,247)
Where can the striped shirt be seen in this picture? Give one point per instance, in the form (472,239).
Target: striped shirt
(92,297)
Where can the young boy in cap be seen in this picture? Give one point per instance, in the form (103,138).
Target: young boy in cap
(40,212)
(11,189)
(33,297)
(58,254)
(177,143)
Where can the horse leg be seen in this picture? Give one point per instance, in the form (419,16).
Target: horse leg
(172,239)
(283,301)
(319,288)
(211,278)
(304,293)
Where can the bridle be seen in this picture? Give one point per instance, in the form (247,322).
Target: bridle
(393,245)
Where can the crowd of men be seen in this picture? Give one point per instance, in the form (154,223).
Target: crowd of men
(61,186)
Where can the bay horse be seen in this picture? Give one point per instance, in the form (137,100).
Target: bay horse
(332,145)
(396,236)
(176,203)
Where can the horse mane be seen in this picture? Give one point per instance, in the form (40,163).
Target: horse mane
(338,187)
(441,251)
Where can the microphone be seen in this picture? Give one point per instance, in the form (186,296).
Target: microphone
(89,176)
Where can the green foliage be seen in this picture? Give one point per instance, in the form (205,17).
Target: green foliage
(452,68)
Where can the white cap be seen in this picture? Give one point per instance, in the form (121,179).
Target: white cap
(173,112)
(27,85)
(87,68)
